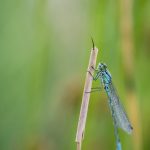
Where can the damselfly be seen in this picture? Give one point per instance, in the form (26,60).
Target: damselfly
(118,113)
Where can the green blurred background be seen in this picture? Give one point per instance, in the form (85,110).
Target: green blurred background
(44,52)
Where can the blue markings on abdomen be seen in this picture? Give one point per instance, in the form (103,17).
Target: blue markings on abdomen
(106,77)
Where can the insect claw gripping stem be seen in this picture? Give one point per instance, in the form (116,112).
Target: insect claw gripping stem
(91,74)
(94,89)
(94,68)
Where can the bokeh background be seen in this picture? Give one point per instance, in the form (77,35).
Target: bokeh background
(44,53)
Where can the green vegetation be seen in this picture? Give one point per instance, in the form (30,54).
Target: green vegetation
(44,52)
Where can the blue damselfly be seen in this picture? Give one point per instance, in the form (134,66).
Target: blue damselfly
(118,113)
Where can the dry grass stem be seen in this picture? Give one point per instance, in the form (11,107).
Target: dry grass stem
(85,99)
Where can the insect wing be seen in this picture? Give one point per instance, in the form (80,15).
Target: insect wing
(119,113)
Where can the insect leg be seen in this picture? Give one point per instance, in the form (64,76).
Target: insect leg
(96,76)
(93,91)
(94,68)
